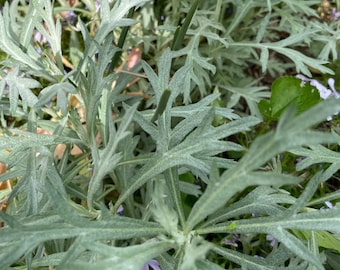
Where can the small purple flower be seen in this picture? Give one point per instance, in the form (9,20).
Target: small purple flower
(153,264)
(335,15)
(323,90)
(97,5)
(120,210)
(37,36)
(271,239)
(40,39)
(71,17)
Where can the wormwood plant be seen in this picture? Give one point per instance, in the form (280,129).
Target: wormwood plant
(153,176)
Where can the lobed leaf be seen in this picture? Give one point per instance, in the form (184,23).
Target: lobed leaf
(290,133)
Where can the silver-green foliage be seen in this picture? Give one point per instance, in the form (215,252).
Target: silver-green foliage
(144,155)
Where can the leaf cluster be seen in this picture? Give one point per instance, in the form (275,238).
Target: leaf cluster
(146,171)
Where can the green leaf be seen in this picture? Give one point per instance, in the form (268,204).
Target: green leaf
(4,193)
(172,180)
(111,19)
(301,61)
(130,258)
(289,90)
(195,250)
(328,197)
(51,30)
(162,104)
(333,259)
(18,240)
(265,108)
(296,246)
(247,262)
(183,128)
(22,140)
(59,90)
(263,200)
(323,220)
(262,30)
(216,194)
(198,68)
(324,239)
(9,46)
(106,160)
(207,265)
(30,19)
(290,133)
(240,13)
(316,154)
(181,30)
(264,59)
(248,90)
(203,138)
(165,215)
(21,87)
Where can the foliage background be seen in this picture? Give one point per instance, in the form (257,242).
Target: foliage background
(131,131)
